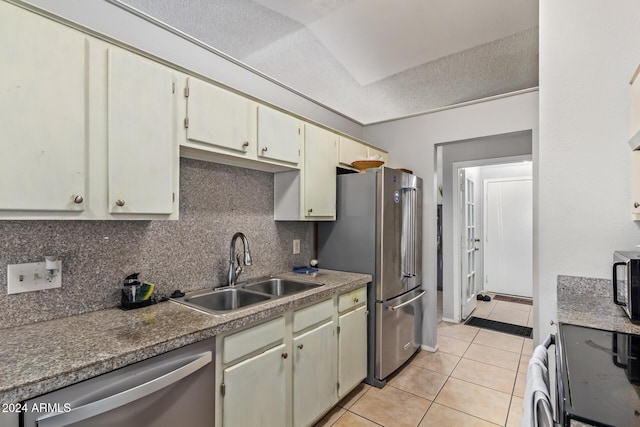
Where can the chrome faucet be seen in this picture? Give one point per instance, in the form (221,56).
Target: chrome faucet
(234,271)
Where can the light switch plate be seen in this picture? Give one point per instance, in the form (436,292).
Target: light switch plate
(296,246)
(31,277)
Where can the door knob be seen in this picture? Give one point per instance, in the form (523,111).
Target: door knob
(300,346)
(285,355)
(120,202)
(245,144)
(77,199)
(636,205)
(355,300)
(264,149)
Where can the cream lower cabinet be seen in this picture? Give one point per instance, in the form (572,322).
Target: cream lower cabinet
(255,391)
(352,349)
(314,362)
(285,372)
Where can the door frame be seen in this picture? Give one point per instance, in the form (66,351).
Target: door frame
(455,240)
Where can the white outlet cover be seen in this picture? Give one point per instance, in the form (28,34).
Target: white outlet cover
(296,246)
(31,277)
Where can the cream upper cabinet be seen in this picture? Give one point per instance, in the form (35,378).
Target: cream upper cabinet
(380,154)
(350,150)
(141,138)
(220,119)
(320,148)
(43,114)
(279,136)
(309,194)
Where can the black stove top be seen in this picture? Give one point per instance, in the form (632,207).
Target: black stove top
(601,376)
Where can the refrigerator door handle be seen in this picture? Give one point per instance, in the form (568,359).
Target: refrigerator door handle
(409,231)
(399,306)
(117,400)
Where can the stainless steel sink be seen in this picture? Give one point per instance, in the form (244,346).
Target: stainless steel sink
(224,300)
(280,287)
(229,299)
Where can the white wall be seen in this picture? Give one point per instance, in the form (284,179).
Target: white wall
(588,52)
(118,24)
(411,143)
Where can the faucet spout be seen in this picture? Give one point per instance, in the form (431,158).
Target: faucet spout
(234,272)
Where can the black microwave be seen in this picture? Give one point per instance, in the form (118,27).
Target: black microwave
(626,283)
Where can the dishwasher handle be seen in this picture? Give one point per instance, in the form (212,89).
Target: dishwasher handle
(120,399)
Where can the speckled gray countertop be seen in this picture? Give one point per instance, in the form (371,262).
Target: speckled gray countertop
(589,302)
(46,356)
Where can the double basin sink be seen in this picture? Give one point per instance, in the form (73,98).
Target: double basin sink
(229,299)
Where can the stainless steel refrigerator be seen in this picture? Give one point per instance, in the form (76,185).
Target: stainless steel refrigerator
(378,231)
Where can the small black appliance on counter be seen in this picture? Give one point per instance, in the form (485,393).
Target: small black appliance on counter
(626,282)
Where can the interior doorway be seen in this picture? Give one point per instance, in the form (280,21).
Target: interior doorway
(492,242)
(463,202)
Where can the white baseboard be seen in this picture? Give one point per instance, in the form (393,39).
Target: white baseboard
(446,319)
(429,348)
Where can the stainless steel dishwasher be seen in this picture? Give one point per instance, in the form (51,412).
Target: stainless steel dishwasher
(172,389)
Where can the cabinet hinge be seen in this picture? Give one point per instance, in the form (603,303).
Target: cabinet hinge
(338,330)
(174,197)
(298,153)
(173,88)
(338,385)
(186,123)
(186,91)
(299,131)
(223,389)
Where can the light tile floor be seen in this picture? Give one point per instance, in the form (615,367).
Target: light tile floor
(476,378)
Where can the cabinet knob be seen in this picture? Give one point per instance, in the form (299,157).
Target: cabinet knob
(285,355)
(245,144)
(636,205)
(77,199)
(300,346)
(355,300)
(264,149)
(120,202)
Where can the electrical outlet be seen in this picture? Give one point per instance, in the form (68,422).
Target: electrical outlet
(296,246)
(32,277)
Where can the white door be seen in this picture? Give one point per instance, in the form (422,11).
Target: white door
(508,246)
(469,240)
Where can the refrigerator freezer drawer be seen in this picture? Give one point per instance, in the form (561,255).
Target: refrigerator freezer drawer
(398,331)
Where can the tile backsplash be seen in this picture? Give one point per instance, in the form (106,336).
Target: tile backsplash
(192,253)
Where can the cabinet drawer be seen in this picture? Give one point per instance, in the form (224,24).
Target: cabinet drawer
(252,339)
(311,315)
(352,299)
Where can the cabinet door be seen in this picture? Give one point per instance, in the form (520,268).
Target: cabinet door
(314,373)
(635,184)
(42,113)
(320,148)
(141,140)
(375,152)
(221,118)
(352,349)
(279,136)
(350,150)
(255,391)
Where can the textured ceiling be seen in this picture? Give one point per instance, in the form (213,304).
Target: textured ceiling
(371,60)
